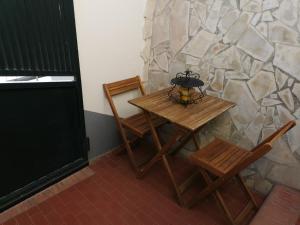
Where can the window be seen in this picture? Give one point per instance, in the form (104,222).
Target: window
(37,39)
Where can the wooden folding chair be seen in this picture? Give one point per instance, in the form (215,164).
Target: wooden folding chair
(136,124)
(224,161)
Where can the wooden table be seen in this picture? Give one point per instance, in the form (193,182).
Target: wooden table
(190,118)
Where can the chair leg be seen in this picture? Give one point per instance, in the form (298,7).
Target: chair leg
(131,155)
(218,197)
(122,148)
(247,191)
(171,175)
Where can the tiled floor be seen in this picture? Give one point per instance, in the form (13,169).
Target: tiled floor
(113,196)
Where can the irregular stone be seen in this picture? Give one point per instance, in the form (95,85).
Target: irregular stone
(268,67)
(287,12)
(281,78)
(280,152)
(218,81)
(296,90)
(201,11)
(160,29)
(293,137)
(163,61)
(158,80)
(213,93)
(263,29)
(238,28)
(204,72)
(227,21)
(249,181)
(234,75)
(213,16)
(247,65)
(228,59)
(284,115)
(177,64)
(243,3)
(211,75)
(233,3)
(270,102)
(238,137)
(263,166)
(149,9)
(269,116)
(148,29)
(285,175)
(145,75)
(297,113)
(198,46)
(254,129)
(160,6)
(161,48)
(290,82)
(154,67)
(286,96)
(298,25)
(246,108)
(214,50)
(262,85)
(270,4)
(195,24)
(179,25)
(145,54)
(277,121)
(256,19)
(287,58)
(253,6)
(267,17)
(226,7)
(247,172)
(190,60)
(256,67)
(263,186)
(274,96)
(261,50)
(280,33)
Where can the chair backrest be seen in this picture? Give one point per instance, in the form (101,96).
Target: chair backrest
(264,147)
(121,87)
(275,136)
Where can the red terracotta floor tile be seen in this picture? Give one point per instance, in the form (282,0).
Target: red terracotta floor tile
(113,196)
(23,219)
(12,221)
(39,218)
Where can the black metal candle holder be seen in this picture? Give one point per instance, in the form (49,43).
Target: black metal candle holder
(186,88)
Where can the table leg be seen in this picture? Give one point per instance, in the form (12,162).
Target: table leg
(171,175)
(161,150)
(162,154)
(183,142)
(196,141)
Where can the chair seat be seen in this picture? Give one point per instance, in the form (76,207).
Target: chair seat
(219,157)
(139,125)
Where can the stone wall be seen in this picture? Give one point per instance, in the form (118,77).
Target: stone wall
(248,52)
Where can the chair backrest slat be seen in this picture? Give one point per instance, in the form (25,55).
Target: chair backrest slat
(276,135)
(264,147)
(120,87)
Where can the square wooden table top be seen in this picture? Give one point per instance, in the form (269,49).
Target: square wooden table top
(191,117)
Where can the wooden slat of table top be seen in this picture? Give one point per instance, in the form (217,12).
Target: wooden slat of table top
(191,117)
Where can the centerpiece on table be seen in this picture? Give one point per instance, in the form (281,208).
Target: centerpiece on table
(186,88)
